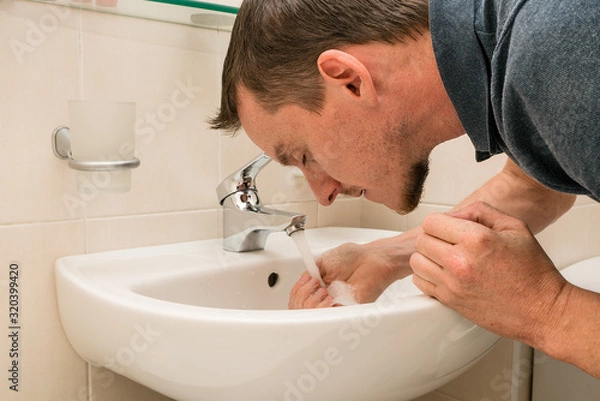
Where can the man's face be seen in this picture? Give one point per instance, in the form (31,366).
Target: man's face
(343,151)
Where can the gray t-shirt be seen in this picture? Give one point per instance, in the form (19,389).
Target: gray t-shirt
(524,77)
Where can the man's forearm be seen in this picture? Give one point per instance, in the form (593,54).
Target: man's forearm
(572,335)
(518,195)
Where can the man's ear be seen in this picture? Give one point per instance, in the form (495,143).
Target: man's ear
(341,70)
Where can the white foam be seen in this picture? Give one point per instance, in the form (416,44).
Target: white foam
(342,293)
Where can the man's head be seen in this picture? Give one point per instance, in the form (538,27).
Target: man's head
(348,91)
(275,45)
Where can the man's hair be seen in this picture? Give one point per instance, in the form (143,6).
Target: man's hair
(275,45)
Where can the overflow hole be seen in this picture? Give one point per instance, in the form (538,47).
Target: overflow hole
(272,280)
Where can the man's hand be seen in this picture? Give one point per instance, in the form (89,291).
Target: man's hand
(307,293)
(368,268)
(489,267)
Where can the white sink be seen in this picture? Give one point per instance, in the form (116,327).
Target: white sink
(195,322)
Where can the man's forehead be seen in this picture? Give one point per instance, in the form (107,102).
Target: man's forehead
(274,133)
(262,134)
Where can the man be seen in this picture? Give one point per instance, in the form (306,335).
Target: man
(357,93)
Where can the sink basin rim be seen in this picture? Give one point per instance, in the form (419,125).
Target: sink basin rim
(128,297)
(75,272)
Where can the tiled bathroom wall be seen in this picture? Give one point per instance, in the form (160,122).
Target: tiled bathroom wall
(51,54)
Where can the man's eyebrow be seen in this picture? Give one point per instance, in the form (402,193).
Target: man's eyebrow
(281,155)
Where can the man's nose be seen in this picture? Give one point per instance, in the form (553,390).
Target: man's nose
(323,186)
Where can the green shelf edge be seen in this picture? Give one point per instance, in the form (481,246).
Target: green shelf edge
(200,4)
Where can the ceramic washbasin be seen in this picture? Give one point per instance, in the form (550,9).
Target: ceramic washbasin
(198,323)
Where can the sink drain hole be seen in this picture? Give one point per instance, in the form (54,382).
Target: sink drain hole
(272,280)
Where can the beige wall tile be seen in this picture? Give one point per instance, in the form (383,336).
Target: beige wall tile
(488,379)
(374,215)
(344,212)
(148,31)
(236,151)
(555,380)
(105,234)
(435,396)
(223,43)
(49,369)
(455,173)
(584,200)
(109,386)
(280,184)
(565,240)
(33,79)
(378,216)
(593,225)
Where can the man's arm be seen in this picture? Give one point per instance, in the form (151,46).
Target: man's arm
(487,265)
(576,339)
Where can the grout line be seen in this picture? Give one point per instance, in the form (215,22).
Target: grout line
(80,56)
(39,223)
(153,214)
(89,382)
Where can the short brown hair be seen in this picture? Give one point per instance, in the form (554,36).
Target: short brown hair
(275,45)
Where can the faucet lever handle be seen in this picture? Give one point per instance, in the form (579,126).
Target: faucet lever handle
(242,180)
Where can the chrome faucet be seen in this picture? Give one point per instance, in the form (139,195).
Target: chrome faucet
(246,223)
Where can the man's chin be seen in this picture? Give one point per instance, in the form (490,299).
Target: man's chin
(406,204)
(394,204)
(410,195)
(403,209)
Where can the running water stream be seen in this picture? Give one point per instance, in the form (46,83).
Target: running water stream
(300,239)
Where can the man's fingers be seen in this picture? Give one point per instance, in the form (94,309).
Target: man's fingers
(434,248)
(447,228)
(304,278)
(479,217)
(483,213)
(426,287)
(426,273)
(308,293)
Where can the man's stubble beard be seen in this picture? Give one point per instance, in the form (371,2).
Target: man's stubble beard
(413,189)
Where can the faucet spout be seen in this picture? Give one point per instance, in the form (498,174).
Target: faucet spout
(246,223)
